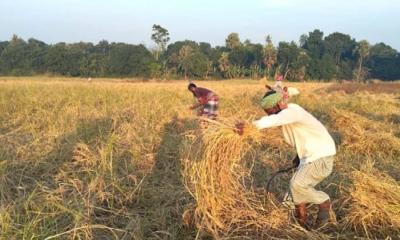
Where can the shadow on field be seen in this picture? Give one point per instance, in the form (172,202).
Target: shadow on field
(30,178)
(164,198)
(88,131)
(24,175)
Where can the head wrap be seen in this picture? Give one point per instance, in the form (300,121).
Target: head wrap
(271,99)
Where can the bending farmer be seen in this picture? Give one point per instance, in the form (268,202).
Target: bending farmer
(207,101)
(315,150)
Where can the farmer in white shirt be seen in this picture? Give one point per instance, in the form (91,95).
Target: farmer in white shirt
(315,150)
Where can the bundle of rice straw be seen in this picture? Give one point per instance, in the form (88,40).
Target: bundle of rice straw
(363,136)
(374,203)
(224,205)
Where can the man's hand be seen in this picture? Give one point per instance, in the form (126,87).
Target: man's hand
(195,106)
(296,161)
(239,127)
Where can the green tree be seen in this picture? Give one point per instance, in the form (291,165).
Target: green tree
(211,54)
(37,55)
(206,49)
(313,43)
(99,60)
(130,60)
(161,37)
(199,66)
(14,58)
(185,59)
(97,65)
(254,54)
(253,60)
(362,52)
(341,46)
(326,68)
(319,64)
(336,56)
(224,63)
(189,58)
(77,58)
(270,56)
(56,59)
(293,60)
(232,41)
(3,45)
(68,59)
(300,65)
(172,52)
(238,56)
(382,62)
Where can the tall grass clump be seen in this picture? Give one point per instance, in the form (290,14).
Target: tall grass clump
(374,203)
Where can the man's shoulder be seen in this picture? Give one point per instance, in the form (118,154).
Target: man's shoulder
(300,111)
(295,106)
(202,90)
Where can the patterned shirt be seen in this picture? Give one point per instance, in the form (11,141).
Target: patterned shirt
(204,95)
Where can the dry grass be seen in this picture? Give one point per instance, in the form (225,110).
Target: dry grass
(374,201)
(76,156)
(350,88)
(118,160)
(223,203)
(363,136)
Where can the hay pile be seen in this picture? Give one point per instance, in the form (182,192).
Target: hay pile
(374,204)
(363,136)
(226,205)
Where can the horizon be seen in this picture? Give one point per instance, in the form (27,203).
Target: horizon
(72,21)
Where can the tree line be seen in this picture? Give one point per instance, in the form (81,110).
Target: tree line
(337,56)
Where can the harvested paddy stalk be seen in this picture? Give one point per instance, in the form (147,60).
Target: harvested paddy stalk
(363,136)
(219,181)
(374,204)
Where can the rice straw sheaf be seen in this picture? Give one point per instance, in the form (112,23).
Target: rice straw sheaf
(226,206)
(364,136)
(374,208)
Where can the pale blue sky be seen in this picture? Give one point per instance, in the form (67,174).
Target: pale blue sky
(210,21)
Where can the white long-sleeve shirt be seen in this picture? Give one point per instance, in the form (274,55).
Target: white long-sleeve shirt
(302,131)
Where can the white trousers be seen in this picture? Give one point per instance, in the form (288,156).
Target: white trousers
(307,176)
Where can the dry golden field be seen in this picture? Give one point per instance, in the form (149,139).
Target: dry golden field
(114,159)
